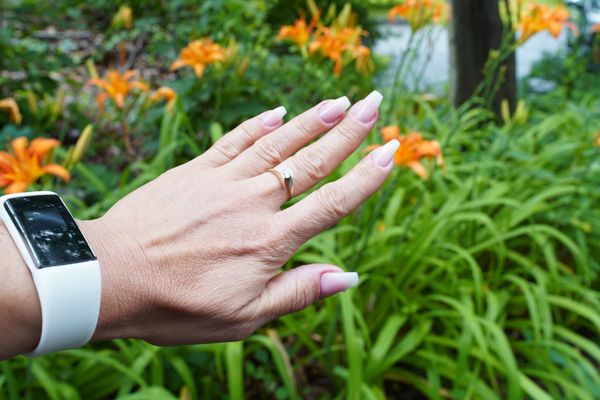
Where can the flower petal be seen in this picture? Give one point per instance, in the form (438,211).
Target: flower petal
(199,70)
(57,170)
(139,85)
(19,147)
(100,99)
(42,146)
(119,100)
(178,64)
(16,187)
(419,169)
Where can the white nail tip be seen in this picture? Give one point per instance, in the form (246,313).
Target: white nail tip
(374,98)
(393,144)
(345,101)
(274,116)
(279,111)
(345,279)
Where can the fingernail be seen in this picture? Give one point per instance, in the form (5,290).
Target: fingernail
(367,109)
(384,155)
(274,116)
(335,282)
(333,110)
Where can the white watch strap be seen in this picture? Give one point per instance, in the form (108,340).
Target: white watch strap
(70,300)
(69,295)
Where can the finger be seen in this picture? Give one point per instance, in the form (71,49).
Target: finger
(316,161)
(333,201)
(270,150)
(242,137)
(297,288)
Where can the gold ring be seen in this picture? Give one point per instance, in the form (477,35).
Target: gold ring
(286,178)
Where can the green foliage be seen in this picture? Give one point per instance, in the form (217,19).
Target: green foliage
(480,283)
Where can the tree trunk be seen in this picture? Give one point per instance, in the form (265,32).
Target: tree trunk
(476,30)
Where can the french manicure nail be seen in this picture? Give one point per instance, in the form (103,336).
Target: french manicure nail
(333,110)
(274,116)
(335,282)
(384,155)
(367,110)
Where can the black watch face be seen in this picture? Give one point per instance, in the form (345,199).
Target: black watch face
(49,230)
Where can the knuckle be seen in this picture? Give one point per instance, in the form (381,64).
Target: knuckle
(275,247)
(271,245)
(305,128)
(313,164)
(226,148)
(303,296)
(349,132)
(364,174)
(269,152)
(245,132)
(334,201)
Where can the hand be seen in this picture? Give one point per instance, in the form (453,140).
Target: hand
(195,255)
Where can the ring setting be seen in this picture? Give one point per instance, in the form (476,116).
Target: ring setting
(286,178)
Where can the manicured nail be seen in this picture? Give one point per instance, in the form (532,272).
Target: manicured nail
(384,155)
(367,109)
(274,117)
(335,282)
(333,110)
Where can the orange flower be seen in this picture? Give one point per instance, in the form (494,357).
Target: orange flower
(22,166)
(364,62)
(335,43)
(117,87)
(298,33)
(198,54)
(596,28)
(413,148)
(10,105)
(390,132)
(164,93)
(420,13)
(540,17)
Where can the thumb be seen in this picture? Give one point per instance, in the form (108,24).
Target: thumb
(296,289)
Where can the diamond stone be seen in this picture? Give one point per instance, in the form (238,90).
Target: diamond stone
(286,172)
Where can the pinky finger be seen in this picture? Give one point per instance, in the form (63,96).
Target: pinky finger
(333,201)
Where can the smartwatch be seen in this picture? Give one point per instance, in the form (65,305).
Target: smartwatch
(64,268)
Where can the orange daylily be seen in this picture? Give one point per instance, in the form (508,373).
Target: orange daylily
(420,13)
(596,28)
(22,165)
(10,105)
(117,86)
(198,54)
(334,43)
(390,132)
(165,93)
(540,17)
(413,148)
(340,42)
(364,62)
(298,33)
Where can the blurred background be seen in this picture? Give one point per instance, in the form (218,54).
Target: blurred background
(480,257)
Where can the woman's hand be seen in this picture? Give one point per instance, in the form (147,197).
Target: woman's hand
(195,255)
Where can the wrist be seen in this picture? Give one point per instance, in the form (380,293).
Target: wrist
(121,306)
(20,312)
